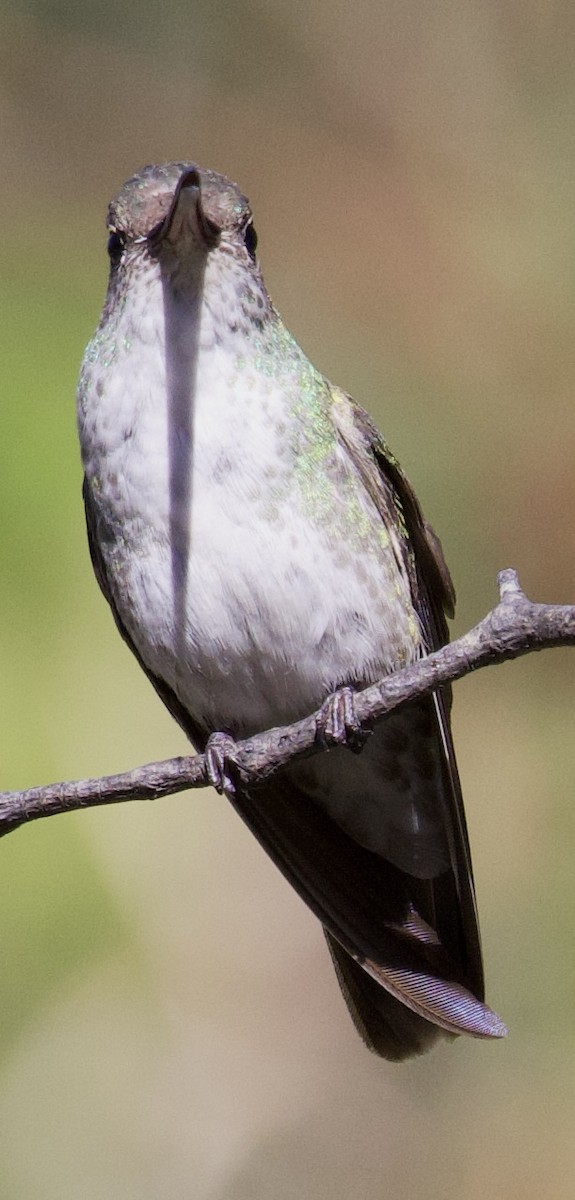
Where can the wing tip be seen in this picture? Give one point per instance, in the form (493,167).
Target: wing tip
(492,1025)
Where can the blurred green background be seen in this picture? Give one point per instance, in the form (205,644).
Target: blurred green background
(169,1023)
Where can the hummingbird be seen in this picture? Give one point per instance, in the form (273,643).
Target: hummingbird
(265,557)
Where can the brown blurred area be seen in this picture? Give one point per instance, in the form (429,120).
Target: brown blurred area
(170,1024)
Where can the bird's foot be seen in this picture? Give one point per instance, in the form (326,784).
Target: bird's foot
(221,763)
(337,723)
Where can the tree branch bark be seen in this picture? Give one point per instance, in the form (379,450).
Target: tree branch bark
(514,627)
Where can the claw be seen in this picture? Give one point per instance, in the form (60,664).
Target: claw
(221,763)
(337,723)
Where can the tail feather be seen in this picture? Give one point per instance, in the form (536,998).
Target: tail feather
(401,1013)
(406,948)
(386,1025)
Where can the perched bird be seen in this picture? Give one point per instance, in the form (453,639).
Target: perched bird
(261,548)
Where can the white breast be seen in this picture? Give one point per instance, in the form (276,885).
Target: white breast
(244,579)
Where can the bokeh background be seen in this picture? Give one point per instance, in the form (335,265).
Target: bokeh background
(169,1023)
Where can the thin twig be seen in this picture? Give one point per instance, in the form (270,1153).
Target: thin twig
(514,627)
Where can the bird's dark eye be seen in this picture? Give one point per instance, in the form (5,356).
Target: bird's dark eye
(116,245)
(250,239)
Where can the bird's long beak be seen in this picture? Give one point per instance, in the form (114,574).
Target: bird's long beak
(186,211)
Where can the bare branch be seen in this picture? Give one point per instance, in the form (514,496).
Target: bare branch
(514,627)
